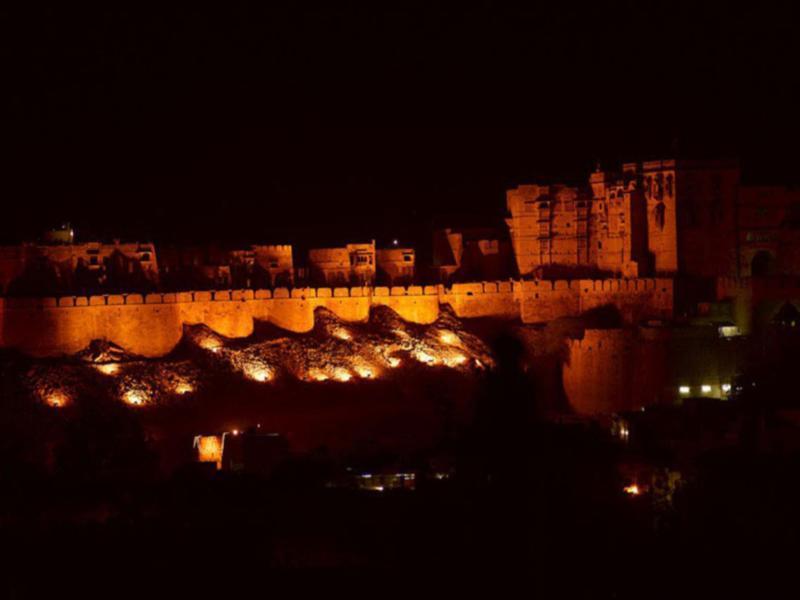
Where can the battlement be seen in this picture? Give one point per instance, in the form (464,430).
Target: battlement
(519,288)
(152,324)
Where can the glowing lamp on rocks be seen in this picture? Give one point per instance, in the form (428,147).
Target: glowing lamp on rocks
(257,372)
(211,344)
(317,375)
(425,357)
(448,337)
(57,399)
(135,397)
(183,387)
(455,360)
(108,368)
(342,375)
(342,334)
(394,362)
(365,372)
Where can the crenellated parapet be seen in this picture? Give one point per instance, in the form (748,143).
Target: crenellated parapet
(152,324)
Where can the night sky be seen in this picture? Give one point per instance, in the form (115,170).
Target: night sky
(265,124)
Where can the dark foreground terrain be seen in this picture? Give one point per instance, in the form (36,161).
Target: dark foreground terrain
(102,498)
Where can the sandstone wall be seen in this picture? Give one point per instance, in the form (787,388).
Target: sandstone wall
(152,325)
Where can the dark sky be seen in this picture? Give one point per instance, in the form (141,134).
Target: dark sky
(258,123)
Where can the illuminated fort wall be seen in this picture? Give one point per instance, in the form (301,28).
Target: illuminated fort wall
(614,370)
(152,324)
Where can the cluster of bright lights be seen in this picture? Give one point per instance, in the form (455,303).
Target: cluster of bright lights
(706,388)
(135,397)
(108,368)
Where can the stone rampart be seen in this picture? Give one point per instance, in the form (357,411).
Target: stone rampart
(152,324)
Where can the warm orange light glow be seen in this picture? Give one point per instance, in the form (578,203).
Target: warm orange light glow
(425,357)
(211,343)
(340,374)
(317,375)
(342,334)
(455,360)
(108,368)
(183,387)
(448,337)
(257,372)
(135,397)
(209,449)
(57,399)
(632,490)
(394,362)
(365,371)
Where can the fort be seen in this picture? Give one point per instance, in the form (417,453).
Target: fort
(152,324)
(653,240)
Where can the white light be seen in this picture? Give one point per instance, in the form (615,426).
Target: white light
(684,389)
(727,331)
(726,387)
(706,389)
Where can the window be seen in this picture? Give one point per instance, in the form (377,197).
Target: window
(407,257)
(660,215)
(599,245)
